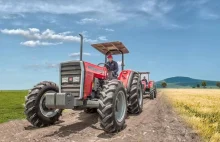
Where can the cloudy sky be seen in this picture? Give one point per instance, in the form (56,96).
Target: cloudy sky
(167,37)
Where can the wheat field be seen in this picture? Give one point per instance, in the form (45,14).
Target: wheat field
(200,108)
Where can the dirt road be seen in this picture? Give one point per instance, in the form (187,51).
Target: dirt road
(157,123)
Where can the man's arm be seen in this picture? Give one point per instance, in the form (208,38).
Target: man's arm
(116,67)
(107,65)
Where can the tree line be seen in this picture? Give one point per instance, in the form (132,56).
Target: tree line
(203,84)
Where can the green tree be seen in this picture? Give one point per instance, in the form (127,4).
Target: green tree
(204,84)
(164,84)
(218,84)
(198,85)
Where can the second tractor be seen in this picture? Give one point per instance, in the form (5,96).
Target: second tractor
(149,86)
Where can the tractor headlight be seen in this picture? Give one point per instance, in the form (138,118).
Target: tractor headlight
(64,79)
(76,79)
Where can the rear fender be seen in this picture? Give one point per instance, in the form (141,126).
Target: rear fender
(126,77)
(151,84)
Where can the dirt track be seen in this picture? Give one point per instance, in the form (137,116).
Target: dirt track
(156,123)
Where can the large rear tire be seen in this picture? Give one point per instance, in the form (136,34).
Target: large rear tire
(35,110)
(136,96)
(112,107)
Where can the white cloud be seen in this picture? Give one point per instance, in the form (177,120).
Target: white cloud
(90,40)
(102,38)
(15,32)
(77,54)
(109,30)
(34,30)
(36,34)
(32,43)
(87,21)
(101,11)
(88,54)
(66,33)
(105,10)
(57,7)
(51,35)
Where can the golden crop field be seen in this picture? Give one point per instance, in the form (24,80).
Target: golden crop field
(200,108)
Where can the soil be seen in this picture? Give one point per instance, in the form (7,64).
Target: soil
(157,123)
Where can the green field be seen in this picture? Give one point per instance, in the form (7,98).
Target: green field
(11,105)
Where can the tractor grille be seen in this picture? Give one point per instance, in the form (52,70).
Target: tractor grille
(70,70)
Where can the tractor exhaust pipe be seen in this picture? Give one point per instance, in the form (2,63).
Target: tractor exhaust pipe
(81,46)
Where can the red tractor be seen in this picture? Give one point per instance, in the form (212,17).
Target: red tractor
(149,87)
(88,86)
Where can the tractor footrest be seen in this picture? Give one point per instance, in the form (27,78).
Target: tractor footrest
(62,101)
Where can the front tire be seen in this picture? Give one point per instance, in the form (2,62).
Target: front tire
(155,93)
(152,95)
(112,107)
(35,110)
(136,96)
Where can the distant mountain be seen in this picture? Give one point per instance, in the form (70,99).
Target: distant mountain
(185,82)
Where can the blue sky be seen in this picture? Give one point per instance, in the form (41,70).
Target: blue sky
(166,37)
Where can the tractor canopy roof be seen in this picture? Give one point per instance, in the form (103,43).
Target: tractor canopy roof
(144,72)
(113,48)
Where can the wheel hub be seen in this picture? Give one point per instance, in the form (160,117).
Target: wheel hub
(44,105)
(120,106)
(47,112)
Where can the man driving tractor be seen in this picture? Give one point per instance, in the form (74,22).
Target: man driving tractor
(144,79)
(111,65)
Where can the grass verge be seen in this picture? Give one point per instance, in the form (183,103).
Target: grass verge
(11,105)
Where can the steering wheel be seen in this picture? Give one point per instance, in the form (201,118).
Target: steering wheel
(104,65)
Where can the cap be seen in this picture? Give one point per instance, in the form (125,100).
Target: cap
(109,56)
